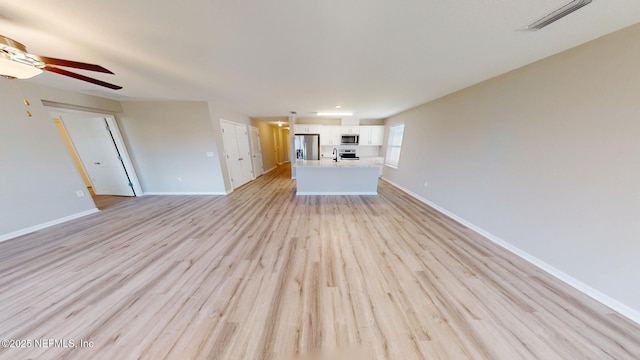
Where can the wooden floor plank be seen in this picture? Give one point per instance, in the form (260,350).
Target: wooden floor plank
(264,274)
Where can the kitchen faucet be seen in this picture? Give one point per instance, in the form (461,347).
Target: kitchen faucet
(335,154)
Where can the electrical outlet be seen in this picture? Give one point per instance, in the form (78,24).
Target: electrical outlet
(209,153)
(425,184)
(79,193)
(179,179)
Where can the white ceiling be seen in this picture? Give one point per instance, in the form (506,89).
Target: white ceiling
(266,58)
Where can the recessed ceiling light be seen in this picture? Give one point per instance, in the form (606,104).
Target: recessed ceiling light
(334,113)
(338,106)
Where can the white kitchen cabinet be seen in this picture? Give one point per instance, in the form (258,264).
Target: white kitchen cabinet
(330,135)
(307,128)
(372,135)
(350,129)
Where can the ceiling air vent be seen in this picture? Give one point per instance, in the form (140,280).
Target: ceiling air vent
(558,14)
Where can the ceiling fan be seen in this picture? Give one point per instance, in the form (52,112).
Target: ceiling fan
(16,62)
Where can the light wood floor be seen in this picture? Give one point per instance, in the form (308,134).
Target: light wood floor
(104,201)
(264,274)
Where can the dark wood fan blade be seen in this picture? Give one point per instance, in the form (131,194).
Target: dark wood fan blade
(71,64)
(81,77)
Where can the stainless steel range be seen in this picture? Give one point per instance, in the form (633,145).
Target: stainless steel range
(348,154)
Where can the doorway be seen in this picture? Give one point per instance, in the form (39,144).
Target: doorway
(97,149)
(281,140)
(256,151)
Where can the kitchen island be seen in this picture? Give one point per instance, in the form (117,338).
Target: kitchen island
(345,177)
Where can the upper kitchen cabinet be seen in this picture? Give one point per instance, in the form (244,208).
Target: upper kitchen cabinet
(306,128)
(350,129)
(330,135)
(372,135)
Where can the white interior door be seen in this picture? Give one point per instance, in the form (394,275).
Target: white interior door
(235,139)
(95,146)
(231,152)
(244,153)
(256,151)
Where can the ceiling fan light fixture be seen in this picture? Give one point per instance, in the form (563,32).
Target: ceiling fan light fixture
(16,70)
(17,63)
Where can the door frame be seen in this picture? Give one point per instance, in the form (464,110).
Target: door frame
(59,113)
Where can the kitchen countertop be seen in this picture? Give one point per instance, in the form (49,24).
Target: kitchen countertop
(345,177)
(363,162)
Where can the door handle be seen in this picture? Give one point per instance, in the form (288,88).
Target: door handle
(241,159)
(97,163)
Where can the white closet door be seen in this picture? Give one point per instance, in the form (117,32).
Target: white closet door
(235,139)
(231,152)
(244,153)
(94,144)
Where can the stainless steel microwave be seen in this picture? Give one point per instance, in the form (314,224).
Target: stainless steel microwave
(349,139)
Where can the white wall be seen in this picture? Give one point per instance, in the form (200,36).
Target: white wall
(168,143)
(546,158)
(39,180)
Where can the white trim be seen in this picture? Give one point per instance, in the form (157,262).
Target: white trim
(47,224)
(336,193)
(273,168)
(597,295)
(184,193)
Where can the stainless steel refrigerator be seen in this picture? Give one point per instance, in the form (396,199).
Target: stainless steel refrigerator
(307,146)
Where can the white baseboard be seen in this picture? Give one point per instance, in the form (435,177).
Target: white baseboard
(599,296)
(184,193)
(47,224)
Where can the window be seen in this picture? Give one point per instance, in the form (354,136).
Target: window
(394,146)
